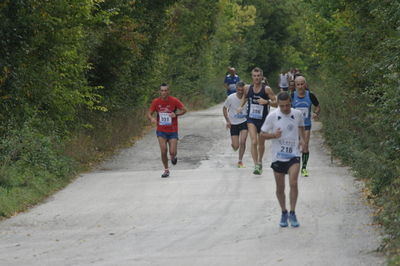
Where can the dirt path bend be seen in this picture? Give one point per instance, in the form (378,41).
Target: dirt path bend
(207,213)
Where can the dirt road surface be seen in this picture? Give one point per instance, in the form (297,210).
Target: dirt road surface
(207,213)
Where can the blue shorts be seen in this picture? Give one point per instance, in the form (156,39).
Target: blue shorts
(167,135)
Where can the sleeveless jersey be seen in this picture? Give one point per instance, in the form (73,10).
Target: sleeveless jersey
(304,105)
(255,110)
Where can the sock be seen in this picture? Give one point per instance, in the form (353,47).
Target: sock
(284,212)
(304,158)
(292,212)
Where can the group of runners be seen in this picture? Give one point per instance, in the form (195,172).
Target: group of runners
(247,111)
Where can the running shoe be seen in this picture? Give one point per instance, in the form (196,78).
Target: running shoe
(241,165)
(293,220)
(284,220)
(174,161)
(260,165)
(165,174)
(304,172)
(257,170)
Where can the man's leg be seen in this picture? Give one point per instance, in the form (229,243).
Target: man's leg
(163,148)
(173,148)
(254,141)
(294,192)
(235,142)
(280,194)
(305,153)
(261,148)
(242,143)
(280,189)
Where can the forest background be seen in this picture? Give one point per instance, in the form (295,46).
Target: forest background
(76,77)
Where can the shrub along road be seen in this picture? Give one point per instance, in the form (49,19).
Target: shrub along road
(207,213)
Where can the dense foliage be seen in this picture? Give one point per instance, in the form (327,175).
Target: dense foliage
(77,75)
(354,50)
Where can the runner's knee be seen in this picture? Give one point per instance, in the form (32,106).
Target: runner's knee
(293,185)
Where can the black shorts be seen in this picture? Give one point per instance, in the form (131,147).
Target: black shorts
(307,127)
(283,167)
(257,122)
(235,129)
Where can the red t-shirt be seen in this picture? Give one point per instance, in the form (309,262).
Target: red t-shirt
(165,123)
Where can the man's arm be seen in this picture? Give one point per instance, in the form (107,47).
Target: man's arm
(276,135)
(244,97)
(271,96)
(225,112)
(315,102)
(150,116)
(179,112)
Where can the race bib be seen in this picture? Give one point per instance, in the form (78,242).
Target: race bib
(256,111)
(165,119)
(232,86)
(304,111)
(240,115)
(286,149)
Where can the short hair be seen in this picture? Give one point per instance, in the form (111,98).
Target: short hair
(164,85)
(300,77)
(283,96)
(240,84)
(257,69)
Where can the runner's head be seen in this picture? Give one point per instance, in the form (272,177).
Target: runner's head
(300,83)
(284,102)
(232,71)
(240,88)
(164,90)
(257,75)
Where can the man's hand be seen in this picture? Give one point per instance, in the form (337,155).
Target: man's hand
(153,120)
(172,114)
(228,124)
(262,101)
(278,133)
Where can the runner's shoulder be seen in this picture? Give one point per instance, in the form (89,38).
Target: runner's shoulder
(296,112)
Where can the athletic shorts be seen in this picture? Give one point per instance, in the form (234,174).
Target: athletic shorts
(235,129)
(167,135)
(307,127)
(257,122)
(283,167)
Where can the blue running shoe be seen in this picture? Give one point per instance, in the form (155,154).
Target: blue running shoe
(284,220)
(293,220)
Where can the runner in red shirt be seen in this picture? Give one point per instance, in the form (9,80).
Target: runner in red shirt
(168,108)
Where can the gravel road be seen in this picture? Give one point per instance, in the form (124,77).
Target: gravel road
(207,213)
